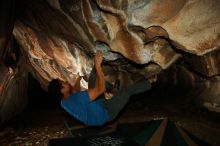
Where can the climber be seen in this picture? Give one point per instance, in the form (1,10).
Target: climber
(89,106)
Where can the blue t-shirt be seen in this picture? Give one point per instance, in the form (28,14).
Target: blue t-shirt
(86,111)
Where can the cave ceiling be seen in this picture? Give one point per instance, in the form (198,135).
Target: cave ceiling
(58,38)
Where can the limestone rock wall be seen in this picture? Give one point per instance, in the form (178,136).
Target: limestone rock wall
(140,31)
(13,91)
(140,37)
(13,73)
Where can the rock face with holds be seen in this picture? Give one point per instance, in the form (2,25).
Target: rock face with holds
(138,38)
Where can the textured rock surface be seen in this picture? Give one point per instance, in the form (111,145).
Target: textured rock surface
(13,90)
(136,30)
(51,57)
(193,25)
(7,18)
(206,65)
(13,74)
(182,82)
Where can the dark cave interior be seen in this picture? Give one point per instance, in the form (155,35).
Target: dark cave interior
(179,93)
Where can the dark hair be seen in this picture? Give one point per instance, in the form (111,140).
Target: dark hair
(54,89)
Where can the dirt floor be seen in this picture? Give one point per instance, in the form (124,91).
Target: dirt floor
(42,121)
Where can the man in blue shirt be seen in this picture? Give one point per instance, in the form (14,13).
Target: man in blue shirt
(89,106)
